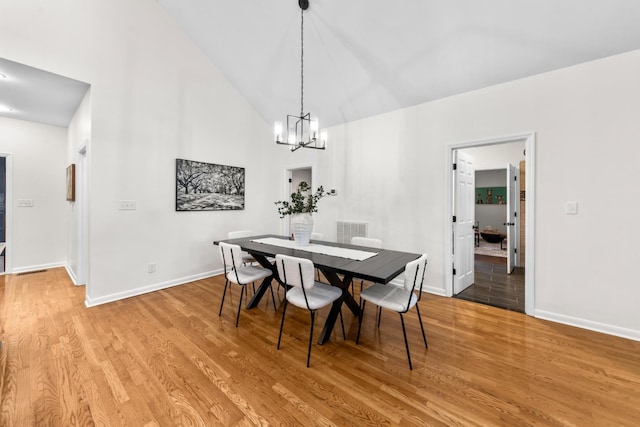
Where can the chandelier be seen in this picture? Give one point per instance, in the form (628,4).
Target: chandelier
(302,130)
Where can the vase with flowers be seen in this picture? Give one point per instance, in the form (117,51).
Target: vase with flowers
(302,205)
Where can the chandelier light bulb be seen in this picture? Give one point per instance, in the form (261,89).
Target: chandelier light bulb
(277,131)
(313,128)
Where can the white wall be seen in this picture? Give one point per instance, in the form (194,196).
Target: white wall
(154,98)
(391,172)
(497,156)
(39,163)
(494,215)
(79,136)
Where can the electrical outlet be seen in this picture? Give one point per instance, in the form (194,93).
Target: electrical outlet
(25,203)
(127,205)
(152,267)
(571,208)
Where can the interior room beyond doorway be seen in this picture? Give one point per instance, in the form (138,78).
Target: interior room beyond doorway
(494,283)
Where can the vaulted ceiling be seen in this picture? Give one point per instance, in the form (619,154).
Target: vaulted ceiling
(369,57)
(365,57)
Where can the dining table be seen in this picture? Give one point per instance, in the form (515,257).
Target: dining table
(340,263)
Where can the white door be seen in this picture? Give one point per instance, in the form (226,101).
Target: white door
(511,224)
(464,213)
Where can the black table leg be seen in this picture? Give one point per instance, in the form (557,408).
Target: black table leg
(337,304)
(266,282)
(257,296)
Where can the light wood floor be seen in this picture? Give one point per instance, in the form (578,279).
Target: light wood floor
(166,358)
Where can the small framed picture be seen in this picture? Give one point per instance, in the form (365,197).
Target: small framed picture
(71,182)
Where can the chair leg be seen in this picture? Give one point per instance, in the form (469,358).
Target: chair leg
(424,337)
(224,293)
(379,316)
(406,343)
(273,298)
(313,317)
(360,320)
(344,336)
(284,310)
(242,292)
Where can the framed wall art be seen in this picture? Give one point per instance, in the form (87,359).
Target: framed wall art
(491,195)
(71,182)
(208,187)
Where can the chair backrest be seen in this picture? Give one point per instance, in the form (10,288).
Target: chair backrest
(414,274)
(231,256)
(294,271)
(239,234)
(366,241)
(317,236)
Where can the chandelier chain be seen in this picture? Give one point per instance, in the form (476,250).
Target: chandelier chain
(301,62)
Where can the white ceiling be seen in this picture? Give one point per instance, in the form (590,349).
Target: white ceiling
(364,57)
(27,93)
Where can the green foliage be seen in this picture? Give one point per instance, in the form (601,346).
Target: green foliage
(299,203)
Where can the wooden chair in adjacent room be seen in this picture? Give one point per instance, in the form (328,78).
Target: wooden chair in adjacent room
(241,274)
(398,299)
(304,292)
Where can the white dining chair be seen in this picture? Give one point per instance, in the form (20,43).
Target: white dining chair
(304,292)
(246,258)
(398,299)
(237,272)
(317,236)
(368,242)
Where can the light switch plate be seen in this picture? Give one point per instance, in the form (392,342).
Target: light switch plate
(571,208)
(127,205)
(25,203)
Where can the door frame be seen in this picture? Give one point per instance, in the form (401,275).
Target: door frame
(530,145)
(8,213)
(287,190)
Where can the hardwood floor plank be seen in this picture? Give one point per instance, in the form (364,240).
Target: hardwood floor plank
(167,358)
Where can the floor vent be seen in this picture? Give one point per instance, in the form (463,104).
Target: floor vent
(348,229)
(31,272)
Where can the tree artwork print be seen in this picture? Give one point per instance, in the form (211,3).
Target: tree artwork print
(208,187)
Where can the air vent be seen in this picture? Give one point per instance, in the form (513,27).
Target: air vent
(347,229)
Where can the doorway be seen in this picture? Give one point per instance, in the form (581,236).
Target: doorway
(294,176)
(456,248)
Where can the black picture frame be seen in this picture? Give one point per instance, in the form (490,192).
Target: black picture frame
(204,186)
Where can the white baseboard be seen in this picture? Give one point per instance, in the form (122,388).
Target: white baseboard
(425,288)
(433,290)
(92,302)
(72,275)
(31,268)
(588,324)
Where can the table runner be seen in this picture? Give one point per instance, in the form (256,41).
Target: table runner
(355,254)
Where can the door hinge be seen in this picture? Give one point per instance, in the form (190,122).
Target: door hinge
(454,218)
(515,250)
(515,178)
(454,271)
(515,214)
(290,180)
(455,166)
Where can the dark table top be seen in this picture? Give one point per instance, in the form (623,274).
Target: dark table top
(381,268)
